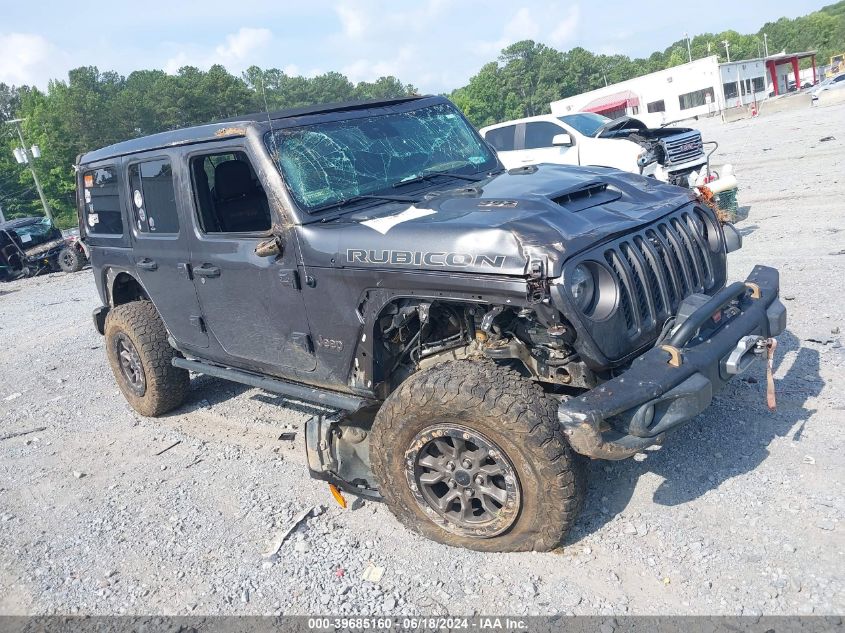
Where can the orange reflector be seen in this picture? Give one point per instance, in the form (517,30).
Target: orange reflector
(89,180)
(337,496)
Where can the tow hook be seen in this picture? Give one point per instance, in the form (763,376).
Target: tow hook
(749,349)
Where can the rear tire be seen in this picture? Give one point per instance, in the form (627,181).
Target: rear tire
(70,260)
(140,358)
(526,485)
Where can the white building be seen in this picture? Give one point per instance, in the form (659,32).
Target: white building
(699,88)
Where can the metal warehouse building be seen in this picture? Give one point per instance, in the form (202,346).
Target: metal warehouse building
(699,88)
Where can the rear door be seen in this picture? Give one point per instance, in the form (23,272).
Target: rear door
(161,249)
(252,304)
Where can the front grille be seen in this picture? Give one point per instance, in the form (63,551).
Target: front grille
(683,148)
(657,268)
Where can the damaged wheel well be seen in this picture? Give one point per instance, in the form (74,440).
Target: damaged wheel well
(410,334)
(124,288)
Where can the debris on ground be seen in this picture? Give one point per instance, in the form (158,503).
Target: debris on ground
(19,433)
(164,450)
(372,573)
(280,539)
(288,436)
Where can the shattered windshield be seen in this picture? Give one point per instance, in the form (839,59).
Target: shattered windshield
(327,164)
(34,233)
(587,123)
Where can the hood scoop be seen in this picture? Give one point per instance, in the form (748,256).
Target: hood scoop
(586,195)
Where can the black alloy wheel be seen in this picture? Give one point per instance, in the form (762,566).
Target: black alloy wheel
(463,481)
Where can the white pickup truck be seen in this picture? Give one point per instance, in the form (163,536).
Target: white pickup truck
(670,154)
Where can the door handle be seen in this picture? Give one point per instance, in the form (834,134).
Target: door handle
(207,270)
(147,264)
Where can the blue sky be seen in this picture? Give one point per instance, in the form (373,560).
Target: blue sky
(434,44)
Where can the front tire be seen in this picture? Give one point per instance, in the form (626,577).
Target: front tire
(70,260)
(140,358)
(469,453)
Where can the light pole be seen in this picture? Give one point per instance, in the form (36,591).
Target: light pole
(26,157)
(766,43)
(689,48)
(727,49)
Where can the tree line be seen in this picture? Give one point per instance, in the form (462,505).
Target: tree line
(92,109)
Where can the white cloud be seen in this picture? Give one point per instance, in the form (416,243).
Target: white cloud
(555,25)
(27,58)
(238,51)
(239,46)
(352,19)
(566,28)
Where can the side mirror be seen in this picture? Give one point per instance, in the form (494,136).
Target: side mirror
(562,140)
(269,248)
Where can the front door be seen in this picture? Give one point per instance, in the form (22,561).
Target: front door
(537,145)
(161,251)
(251,304)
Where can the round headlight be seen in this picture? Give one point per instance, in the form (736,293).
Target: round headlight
(582,286)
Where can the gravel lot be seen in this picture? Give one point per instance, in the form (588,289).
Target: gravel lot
(740,513)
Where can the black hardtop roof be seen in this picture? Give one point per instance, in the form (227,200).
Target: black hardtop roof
(16,223)
(228,127)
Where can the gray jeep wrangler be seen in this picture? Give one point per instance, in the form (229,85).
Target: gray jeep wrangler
(471,332)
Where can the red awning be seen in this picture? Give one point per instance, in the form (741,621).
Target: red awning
(612,102)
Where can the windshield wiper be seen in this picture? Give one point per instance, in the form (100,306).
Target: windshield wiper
(346,202)
(434,174)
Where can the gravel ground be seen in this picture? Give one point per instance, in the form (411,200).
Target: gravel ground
(740,513)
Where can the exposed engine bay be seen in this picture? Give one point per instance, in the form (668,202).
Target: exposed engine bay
(416,335)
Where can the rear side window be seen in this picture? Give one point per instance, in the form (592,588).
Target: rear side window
(102,202)
(540,134)
(153,197)
(501,138)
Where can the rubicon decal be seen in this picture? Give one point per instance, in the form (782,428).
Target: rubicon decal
(419,258)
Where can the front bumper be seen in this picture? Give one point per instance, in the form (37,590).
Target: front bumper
(671,384)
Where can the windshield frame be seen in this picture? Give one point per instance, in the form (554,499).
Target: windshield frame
(565,119)
(348,205)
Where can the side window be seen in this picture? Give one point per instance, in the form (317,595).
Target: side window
(540,134)
(229,198)
(656,106)
(501,138)
(153,197)
(102,202)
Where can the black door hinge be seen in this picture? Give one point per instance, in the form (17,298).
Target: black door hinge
(302,341)
(289,278)
(184,269)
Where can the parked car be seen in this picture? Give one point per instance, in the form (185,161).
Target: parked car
(831,83)
(28,246)
(74,255)
(479,330)
(669,154)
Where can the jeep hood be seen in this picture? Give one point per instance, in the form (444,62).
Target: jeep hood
(501,225)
